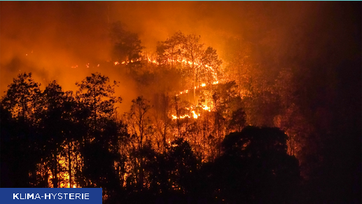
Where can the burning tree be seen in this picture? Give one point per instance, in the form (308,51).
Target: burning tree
(186,53)
(141,131)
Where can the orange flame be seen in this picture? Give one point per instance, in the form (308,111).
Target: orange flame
(205,107)
(195,115)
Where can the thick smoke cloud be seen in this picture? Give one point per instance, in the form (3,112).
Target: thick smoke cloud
(48,38)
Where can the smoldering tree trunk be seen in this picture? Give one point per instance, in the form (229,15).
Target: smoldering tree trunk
(70,163)
(164,136)
(55,170)
(178,118)
(140,148)
(165,119)
(140,182)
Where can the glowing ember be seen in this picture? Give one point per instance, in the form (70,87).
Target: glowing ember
(195,115)
(181,117)
(205,107)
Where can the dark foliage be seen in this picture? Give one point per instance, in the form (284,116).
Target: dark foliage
(36,126)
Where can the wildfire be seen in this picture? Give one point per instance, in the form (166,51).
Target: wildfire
(196,87)
(195,115)
(207,108)
(64,179)
(148,59)
(181,117)
(154,61)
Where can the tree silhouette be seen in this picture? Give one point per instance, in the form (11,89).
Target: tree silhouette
(15,159)
(141,130)
(254,168)
(97,95)
(19,138)
(21,96)
(126,45)
(55,126)
(100,146)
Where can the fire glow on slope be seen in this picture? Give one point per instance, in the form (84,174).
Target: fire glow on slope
(192,114)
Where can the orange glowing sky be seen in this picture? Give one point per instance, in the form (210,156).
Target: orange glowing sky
(49,38)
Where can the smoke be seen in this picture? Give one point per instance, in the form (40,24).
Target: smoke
(48,38)
(57,41)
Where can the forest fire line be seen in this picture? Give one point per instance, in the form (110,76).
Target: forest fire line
(183,61)
(154,61)
(193,112)
(194,115)
(196,87)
